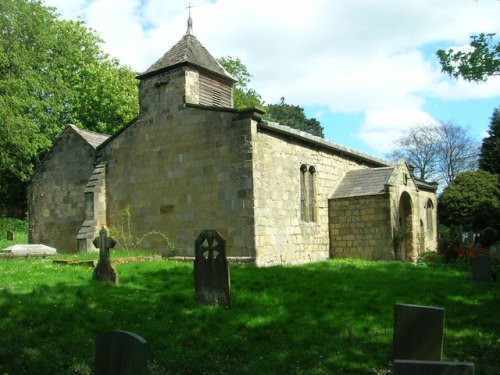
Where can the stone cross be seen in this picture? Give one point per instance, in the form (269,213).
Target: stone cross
(104,271)
(120,353)
(418,332)
(211,271)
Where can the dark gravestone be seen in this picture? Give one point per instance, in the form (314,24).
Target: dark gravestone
(418,332)
(481,268)
(408,367)
(10,235)
(211,271)
(104,272)
(120,353)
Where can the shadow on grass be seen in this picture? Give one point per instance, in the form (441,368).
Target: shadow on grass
(334,317)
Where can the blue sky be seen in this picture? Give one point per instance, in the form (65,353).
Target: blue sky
(365,69)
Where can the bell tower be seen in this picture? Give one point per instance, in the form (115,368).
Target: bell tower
(187,73)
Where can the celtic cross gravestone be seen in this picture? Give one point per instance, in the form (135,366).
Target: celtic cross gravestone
(211,271)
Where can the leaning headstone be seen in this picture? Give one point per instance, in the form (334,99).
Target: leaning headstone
(10,235)
(481,268)
(211,271)
(104,272)
(120,353)
(418,332)
(409,367)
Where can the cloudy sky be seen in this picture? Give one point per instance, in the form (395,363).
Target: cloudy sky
(366,69)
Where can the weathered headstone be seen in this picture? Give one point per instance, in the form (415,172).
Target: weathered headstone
(211,271)
(120,353)
(104,271)
(409,367)
(10,235)
(481,268)
(418,332)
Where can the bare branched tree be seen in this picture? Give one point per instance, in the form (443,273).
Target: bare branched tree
(419,146)
(459,151)
(437,152)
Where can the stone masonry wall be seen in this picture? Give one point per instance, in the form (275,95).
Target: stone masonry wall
(182,169)
(360,228)
(56,207)
(280,234)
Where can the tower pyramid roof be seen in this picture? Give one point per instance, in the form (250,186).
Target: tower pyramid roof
(188,51)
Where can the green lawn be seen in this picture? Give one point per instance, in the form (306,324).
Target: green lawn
(333,317)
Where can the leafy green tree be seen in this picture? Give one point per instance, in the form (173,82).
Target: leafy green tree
(243,96)
(52,73)
(293,116)
(489,159)
(471,200)
(479,64)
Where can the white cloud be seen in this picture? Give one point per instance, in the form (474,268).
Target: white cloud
(382,127)
(359,56)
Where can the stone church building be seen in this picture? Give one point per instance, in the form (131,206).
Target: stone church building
(190,162)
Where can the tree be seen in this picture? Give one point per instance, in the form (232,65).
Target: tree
(479,64)
(472,199)
(293,116)
(459,151)
(419,146)
(52,73)
(489,159)
(243,96)
(438,152)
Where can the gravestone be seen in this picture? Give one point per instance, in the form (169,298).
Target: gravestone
(104,272)
(10,235)
(28,249)
(481,268)
(409,367)
(120,353)
(418,332)
(211,271)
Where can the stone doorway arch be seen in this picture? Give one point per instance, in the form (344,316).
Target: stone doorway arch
(405,228)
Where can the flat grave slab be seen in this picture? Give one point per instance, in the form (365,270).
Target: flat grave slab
(408,367)
(28,249)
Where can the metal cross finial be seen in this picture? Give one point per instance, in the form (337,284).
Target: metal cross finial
(190,21)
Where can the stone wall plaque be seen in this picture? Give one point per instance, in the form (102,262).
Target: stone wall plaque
(418,332)
(211,271)
(120,353)
(409,367)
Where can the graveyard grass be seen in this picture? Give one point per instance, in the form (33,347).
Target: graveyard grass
(334,317)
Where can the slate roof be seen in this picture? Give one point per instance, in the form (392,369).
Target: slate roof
(92,138)
(363,182)
(188,50)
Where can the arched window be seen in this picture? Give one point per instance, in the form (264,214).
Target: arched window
(307,193)
(429,208)
(312,194)
(303,193)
